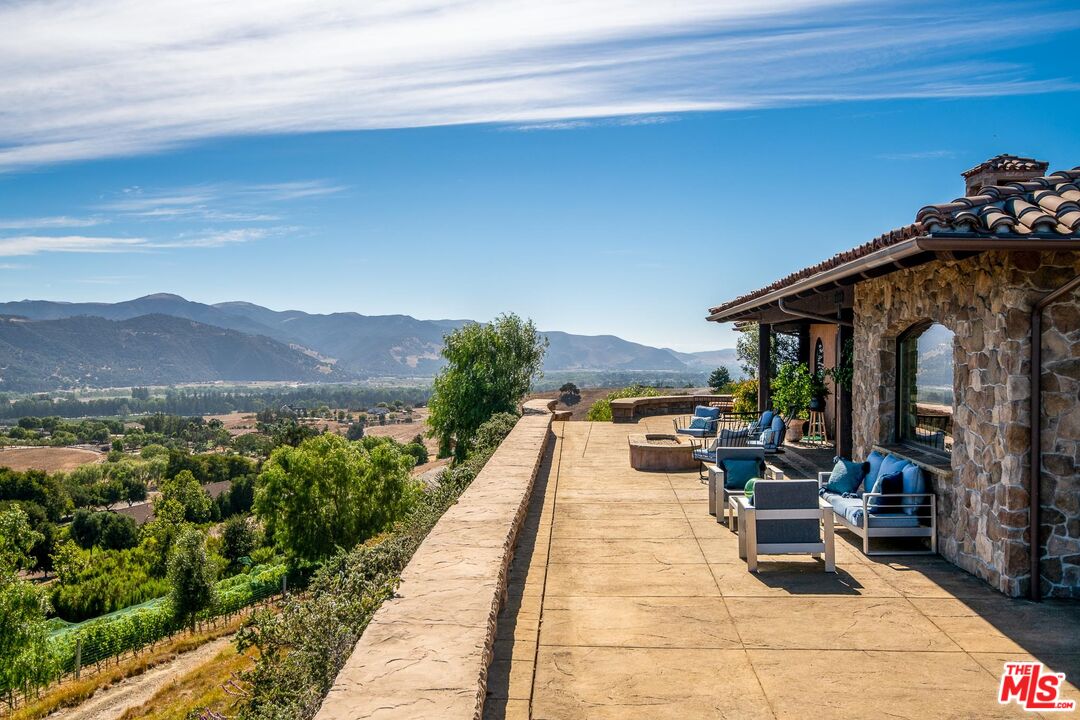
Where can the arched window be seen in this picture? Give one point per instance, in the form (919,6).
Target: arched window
(819,357)
(925,386)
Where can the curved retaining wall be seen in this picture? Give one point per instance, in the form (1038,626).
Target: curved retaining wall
(629,409)
(426,651)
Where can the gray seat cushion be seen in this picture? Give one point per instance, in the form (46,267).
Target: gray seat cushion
(787,495)
(851,509)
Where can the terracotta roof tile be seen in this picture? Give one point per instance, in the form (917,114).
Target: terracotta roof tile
(1044,206)
(1040,205)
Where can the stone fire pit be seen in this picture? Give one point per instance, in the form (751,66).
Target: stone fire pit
(659,452)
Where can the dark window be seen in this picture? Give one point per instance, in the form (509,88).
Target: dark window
(925,386)
(819,357)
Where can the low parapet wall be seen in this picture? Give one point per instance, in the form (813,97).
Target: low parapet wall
(426,651)
(629,409)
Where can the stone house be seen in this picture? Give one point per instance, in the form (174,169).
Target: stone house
(939,316)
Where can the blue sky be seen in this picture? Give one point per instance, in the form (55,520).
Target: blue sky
(608,166)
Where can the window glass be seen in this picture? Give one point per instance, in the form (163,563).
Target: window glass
(926,387)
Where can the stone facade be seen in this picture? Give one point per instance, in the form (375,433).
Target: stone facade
(986,301)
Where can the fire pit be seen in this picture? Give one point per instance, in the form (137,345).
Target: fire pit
(659,452)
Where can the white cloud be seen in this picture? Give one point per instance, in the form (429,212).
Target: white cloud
(917,155)
(41,223)
(98,78)
(35,244)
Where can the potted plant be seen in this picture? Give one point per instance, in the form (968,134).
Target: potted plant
(792,391)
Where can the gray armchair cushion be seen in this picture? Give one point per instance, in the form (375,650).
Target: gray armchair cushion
(787,495)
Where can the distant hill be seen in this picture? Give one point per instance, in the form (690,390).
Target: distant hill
(38,355)
(397,346)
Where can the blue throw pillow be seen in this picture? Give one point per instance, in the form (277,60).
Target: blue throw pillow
(914,482)
(846,476)
(874,458)
(766,419)
(699,423)
(738,470)
(891,464)
(888,484)
(709,413)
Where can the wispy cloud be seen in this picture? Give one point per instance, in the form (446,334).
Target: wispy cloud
(917,155)
(219,202)
(631,121)
(11,266)
(97,78)
(36,244)
(43,223)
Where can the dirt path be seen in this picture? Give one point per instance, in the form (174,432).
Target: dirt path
(113,702)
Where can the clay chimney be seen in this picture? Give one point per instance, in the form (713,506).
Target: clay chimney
(1000,170)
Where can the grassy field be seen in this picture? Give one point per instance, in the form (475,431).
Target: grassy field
(49,459)
(203,687)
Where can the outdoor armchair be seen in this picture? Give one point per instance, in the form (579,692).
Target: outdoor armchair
(702,424)
(786,517)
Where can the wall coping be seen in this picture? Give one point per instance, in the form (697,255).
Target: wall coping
(937,466)
(426,651)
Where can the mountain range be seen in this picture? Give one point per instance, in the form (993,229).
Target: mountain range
(165,339)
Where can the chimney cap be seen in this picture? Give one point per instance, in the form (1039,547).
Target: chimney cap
(1002,169)
(1009,163)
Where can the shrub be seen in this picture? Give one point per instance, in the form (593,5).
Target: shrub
(745,396)
(601,409)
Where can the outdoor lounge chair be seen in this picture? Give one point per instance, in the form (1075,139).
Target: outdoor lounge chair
(702,424)
(771,438)
(786,518)
(730,474)
(871,512)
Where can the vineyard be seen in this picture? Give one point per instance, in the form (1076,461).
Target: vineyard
(76,649)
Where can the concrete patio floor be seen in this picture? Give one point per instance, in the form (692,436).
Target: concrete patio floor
(628,600)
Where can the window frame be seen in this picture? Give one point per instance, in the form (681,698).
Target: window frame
(914,332)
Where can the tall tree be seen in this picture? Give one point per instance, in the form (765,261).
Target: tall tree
(191,576)
(330,493)
(785,348)
(186,490)
(489,370)
(719,379)
(25,657)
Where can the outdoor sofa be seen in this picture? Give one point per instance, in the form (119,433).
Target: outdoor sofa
(885,497)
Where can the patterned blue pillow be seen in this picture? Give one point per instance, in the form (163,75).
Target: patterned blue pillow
(699,423)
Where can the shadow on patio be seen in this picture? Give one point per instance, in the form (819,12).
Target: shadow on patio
(628,600)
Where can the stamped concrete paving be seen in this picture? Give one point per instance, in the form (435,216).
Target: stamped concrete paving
(628,600)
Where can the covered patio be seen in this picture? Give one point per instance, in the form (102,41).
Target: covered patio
(627,599)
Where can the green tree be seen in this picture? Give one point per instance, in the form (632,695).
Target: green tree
(785,348)
(489,370)
(719,379)
(355,431)
(330,493)
(191,576)
(186,490)
(237,538)
(25,657)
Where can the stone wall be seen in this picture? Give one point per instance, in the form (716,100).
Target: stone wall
(986,301)
(426,651)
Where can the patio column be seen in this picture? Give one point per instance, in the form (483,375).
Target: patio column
(804,345)
(843,398)
(764,392)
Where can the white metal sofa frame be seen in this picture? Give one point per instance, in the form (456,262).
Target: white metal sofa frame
(866,533)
